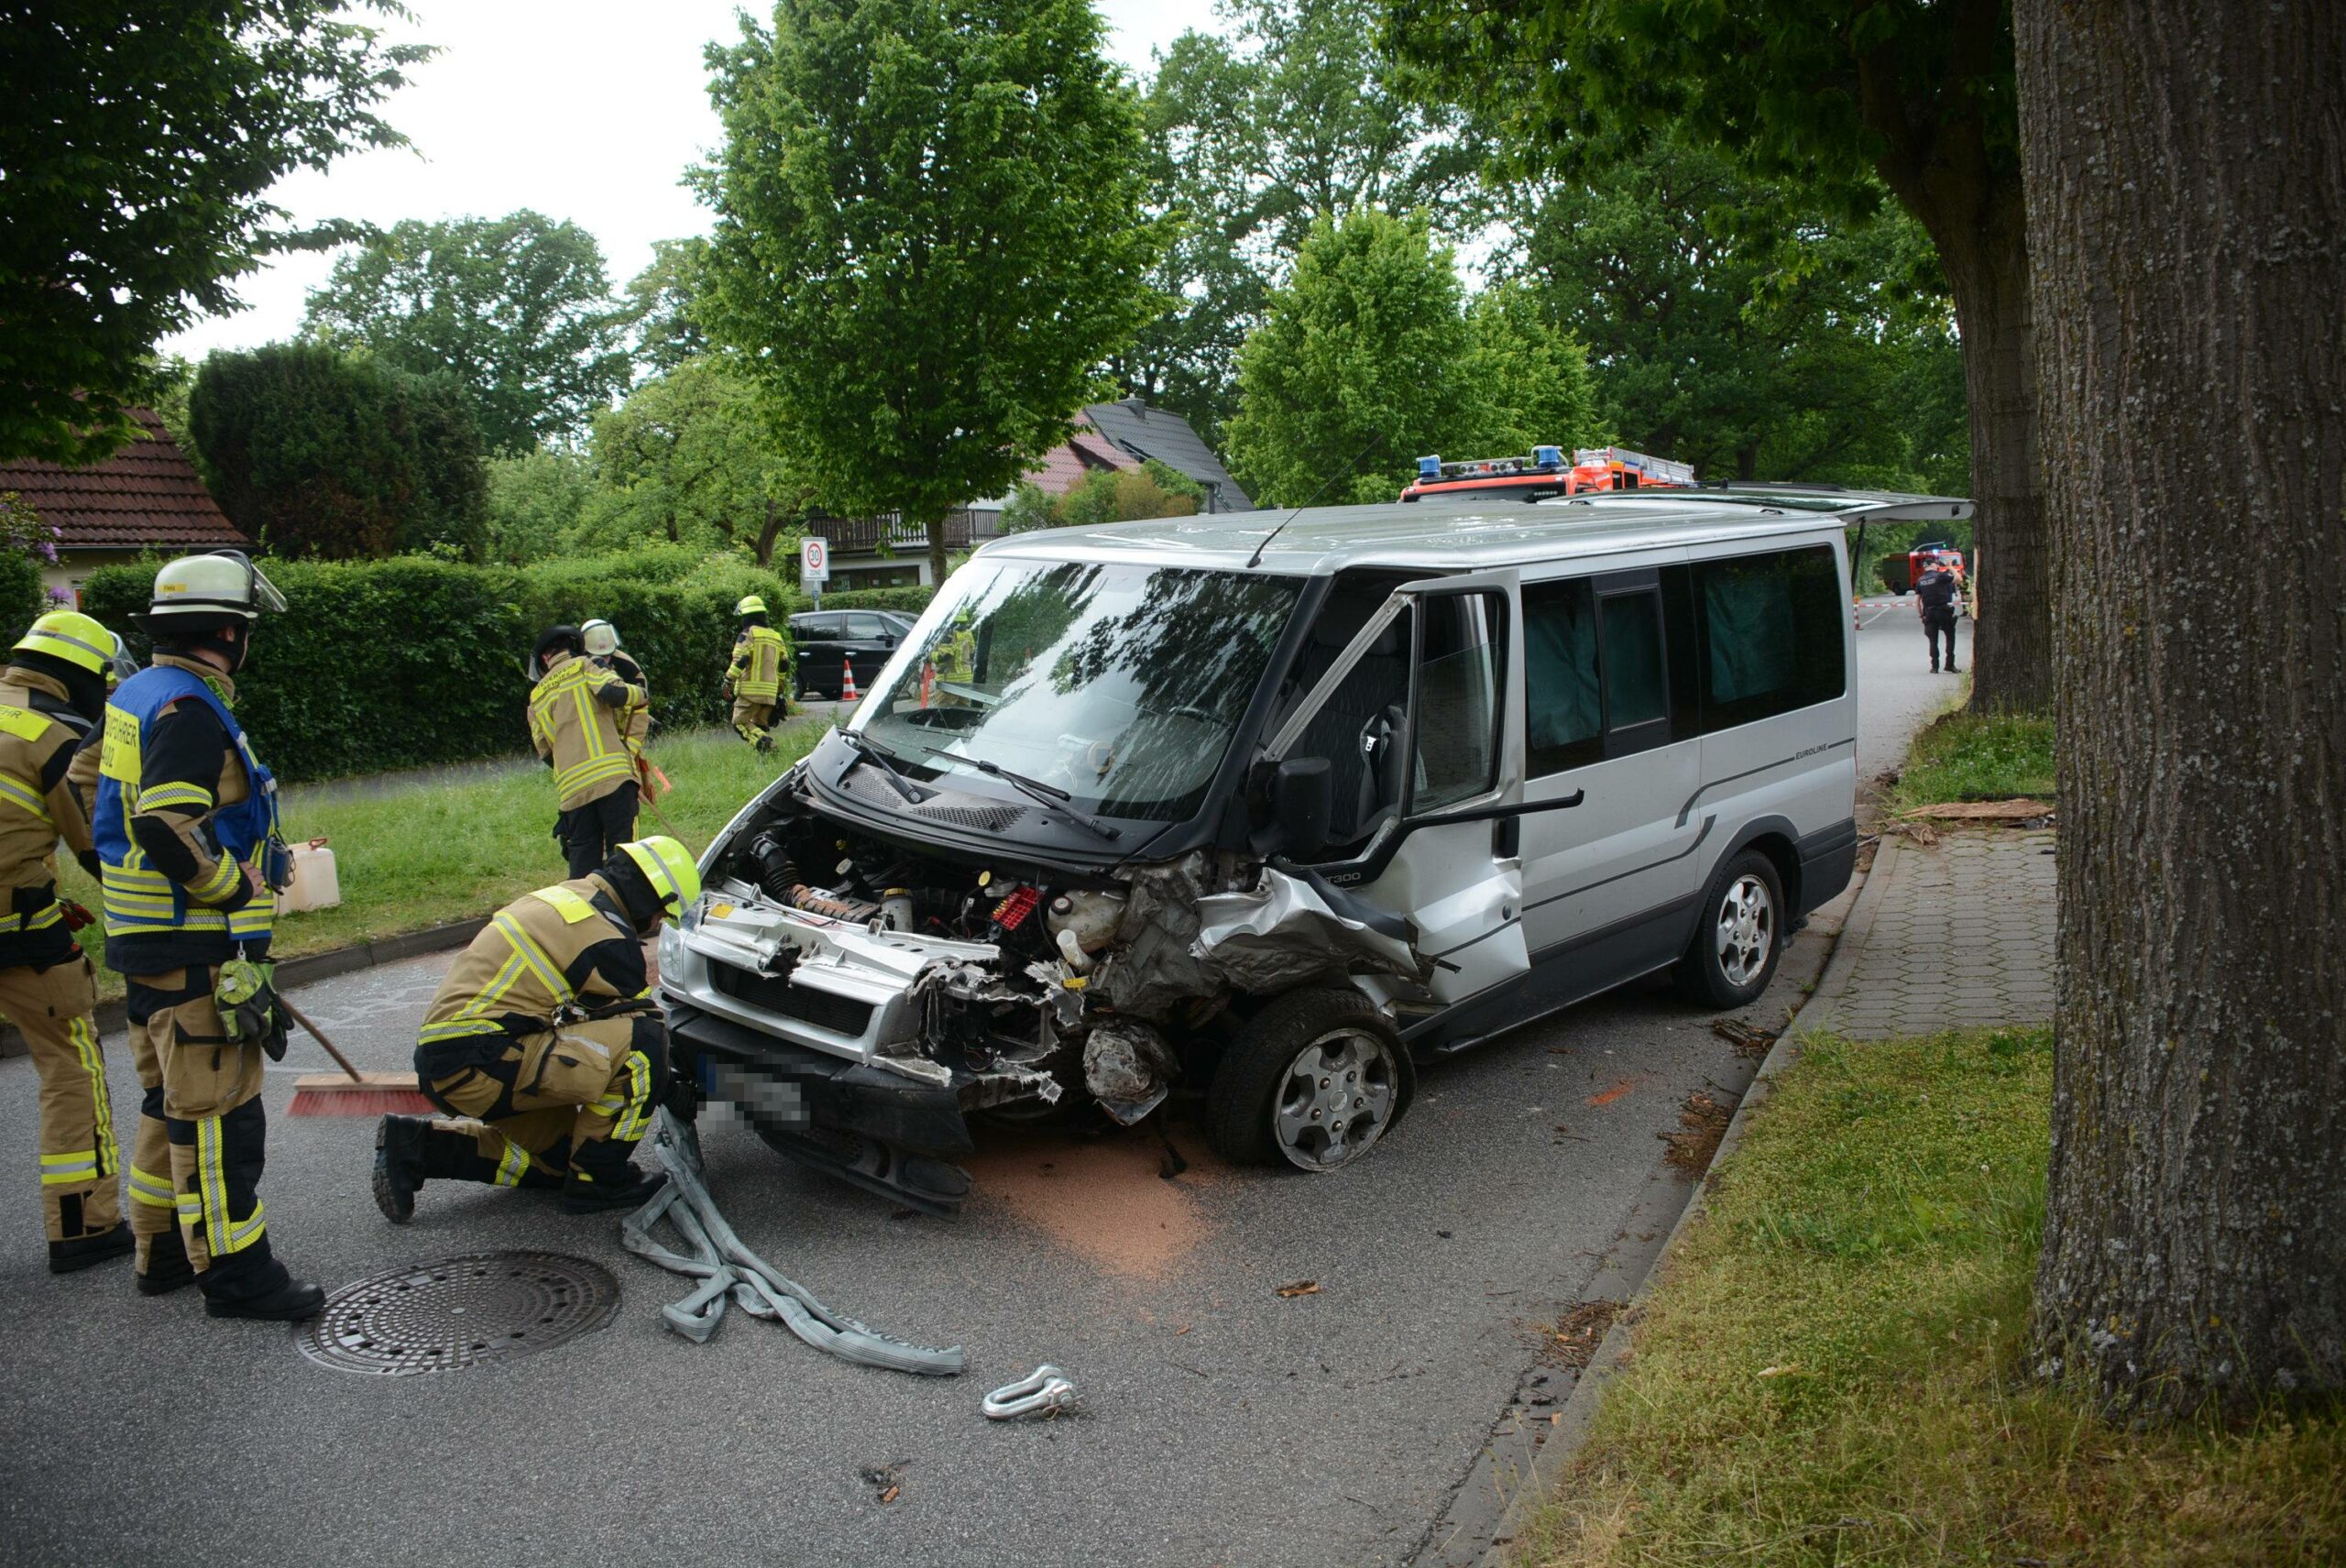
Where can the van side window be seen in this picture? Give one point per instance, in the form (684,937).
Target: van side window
(1459,682)
(1565,726)
(1771,634)
(1635,690)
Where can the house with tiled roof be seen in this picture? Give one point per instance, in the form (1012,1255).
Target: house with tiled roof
(147,496)
(1139,433)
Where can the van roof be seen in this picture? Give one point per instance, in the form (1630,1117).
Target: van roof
(1434,534)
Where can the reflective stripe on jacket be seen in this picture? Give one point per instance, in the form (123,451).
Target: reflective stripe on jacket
(586,738)
(139,900)
(567,944)
(756,671)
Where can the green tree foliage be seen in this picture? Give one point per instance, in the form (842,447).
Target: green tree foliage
(1717,342)
(26,543)
(690,458)
(1848,98)
(1255,137)
(1105,495)
(318,453)
(136,156)
(660,300)
(930,233)
(1371,355)
(533,503)
(516,309)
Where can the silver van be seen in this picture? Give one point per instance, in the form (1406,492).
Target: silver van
(1265,813)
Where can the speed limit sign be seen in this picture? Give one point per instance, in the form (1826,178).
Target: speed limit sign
(814,560)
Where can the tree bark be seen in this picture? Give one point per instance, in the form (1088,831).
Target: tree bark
(935,526)
(2186,166)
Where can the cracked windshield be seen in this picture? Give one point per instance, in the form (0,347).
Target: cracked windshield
(1119,684)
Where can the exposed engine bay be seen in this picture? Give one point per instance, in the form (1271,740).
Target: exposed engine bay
(1010,986)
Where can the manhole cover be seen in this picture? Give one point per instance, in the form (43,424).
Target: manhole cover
(460,1311)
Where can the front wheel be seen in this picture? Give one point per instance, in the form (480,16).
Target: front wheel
(1315,1079)
(1735,950)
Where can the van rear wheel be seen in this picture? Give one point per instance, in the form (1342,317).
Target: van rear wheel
(1315,1080)
(1734,953)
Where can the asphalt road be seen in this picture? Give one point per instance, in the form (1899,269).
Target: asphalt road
(1223,1422)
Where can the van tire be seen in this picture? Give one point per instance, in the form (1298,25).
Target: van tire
(1257,1063)
(1703,974)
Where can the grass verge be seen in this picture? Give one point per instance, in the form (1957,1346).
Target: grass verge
(1971,756)
(426,854)
(1830,1372)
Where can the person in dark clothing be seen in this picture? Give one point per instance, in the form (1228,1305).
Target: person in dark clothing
(1937,593)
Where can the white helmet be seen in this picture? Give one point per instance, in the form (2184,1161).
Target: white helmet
(208,590)
(602,639)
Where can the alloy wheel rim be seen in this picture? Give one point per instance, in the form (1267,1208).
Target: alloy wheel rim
(1336,1101)
(1746,930)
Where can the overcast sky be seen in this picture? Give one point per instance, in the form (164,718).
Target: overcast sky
(584,109)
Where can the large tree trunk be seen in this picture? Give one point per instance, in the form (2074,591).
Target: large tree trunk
(1983,248)
(2186,164)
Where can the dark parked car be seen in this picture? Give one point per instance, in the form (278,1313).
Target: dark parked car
(827,640)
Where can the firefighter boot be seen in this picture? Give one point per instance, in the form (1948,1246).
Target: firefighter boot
(602,1179)
(81,1252)
(166,1267)
(399,1166)
(290,1301)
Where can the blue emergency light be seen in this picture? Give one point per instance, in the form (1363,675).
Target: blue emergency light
(1429,467)
(1549,457)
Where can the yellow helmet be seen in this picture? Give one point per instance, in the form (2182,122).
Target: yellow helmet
(668,867)
(752,605)
(70,635)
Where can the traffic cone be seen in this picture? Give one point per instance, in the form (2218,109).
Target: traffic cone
(847,681)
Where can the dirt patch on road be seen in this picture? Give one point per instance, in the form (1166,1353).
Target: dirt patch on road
(1102,1199)
(1574,1339)
(1702,1123)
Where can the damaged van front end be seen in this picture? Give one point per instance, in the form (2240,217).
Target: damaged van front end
(860,1012)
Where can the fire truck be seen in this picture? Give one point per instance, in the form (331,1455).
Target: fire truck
(1545,473)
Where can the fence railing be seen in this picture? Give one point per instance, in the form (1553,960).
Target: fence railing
(864,535)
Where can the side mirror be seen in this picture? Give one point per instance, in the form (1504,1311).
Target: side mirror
(1301,793)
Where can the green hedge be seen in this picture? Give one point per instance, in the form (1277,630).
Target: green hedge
(910,601)
(22,596)
(410,662)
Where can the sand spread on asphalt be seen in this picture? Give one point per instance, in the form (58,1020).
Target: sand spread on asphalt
(1101,1198)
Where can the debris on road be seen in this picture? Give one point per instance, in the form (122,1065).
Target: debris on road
(1702,1123)
(1300,1287)
(727,1269)
(1046,1392)
(1577,1332)
(2023,811)
(1607,1096)
(1750,1041)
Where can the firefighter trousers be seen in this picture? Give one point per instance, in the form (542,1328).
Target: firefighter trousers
(592,833)
(753,718)
(567,1104)
(201,1135)
(80,1166)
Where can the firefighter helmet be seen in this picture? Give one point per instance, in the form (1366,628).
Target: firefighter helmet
(668,867)
(198,592)
(601,638)
(751,605)
(70,635)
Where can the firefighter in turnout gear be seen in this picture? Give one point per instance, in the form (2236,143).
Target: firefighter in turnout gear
(545,1044)
(753,681)
(189,852)
(602,642)
(579,714)
(51,694)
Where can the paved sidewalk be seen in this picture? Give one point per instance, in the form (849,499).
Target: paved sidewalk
(1955,935)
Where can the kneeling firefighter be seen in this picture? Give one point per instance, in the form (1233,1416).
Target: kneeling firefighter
(545,1044)
(51,694)
(579,714)
(753,680)
(188,851)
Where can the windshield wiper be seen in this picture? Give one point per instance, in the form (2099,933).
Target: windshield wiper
(872,749)
(1049,795)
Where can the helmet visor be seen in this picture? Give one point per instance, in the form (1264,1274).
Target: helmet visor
(263,594)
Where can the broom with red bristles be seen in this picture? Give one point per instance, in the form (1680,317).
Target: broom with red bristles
(356,1094)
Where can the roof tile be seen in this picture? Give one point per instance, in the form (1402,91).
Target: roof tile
(146,493)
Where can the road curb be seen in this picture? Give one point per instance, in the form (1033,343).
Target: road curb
(1578,1412)
(306,969)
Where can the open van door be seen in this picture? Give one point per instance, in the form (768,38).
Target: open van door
(1440,772)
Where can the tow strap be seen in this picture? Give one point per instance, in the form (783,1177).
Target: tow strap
(728,1270)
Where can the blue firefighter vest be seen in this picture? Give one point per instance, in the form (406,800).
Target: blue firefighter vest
(139,900)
